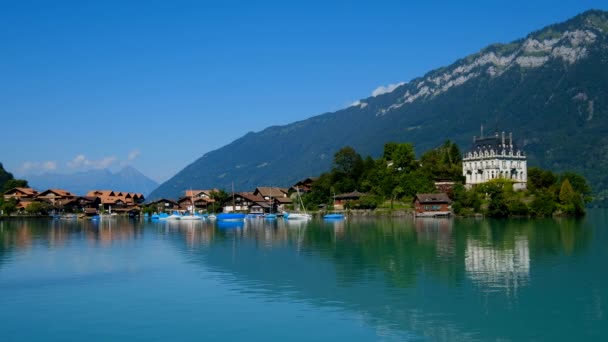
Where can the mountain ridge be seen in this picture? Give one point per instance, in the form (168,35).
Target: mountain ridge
(534,86)
(126,179)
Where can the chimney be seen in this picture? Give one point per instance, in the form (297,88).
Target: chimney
(511,139)
(503,139)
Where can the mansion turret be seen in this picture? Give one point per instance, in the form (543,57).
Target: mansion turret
(495,157)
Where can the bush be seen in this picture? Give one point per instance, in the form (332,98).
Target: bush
(518,208)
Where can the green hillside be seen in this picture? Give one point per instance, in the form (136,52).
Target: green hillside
(548,88)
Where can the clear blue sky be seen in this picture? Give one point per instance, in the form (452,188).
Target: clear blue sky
(156,84)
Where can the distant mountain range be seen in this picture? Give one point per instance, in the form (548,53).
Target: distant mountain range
(127,179)
(549,88)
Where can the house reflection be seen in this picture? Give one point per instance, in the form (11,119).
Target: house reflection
(499,268)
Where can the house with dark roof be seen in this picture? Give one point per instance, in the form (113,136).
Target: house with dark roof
(276,198)
(432,205)
(243,201)
(164,204)
(341,200)
(305,185)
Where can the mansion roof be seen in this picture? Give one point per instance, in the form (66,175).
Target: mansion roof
(494,145)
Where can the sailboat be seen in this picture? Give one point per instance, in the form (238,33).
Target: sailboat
(333,216)
(192,216)
(231,216)
(270,215)
(298,216)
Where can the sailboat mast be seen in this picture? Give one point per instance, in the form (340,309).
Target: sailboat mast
(233,204)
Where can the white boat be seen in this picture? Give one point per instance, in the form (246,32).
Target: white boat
(174,216)
(299,216)
(191,217)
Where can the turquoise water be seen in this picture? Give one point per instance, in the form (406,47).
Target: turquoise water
(359,280)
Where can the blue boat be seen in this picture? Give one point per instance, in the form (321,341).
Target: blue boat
(333,217)
(230,217)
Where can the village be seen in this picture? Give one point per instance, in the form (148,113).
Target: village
(260,201)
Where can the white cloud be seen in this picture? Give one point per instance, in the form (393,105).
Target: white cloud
(27,166)
(81,161)
(132,155)
(386,89)
(49,165)
(358,103)
(33,167)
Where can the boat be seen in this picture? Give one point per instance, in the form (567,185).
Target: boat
(231,217)
(298,216)
(334,216)
(212,217)
(270,215)
(174,216)
(192,216)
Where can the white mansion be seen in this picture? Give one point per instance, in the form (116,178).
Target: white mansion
(495,157)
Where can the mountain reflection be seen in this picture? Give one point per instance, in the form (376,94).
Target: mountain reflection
(398,274)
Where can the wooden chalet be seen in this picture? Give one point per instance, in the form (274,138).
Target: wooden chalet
(200,203)
(56,197)
(341,199)
(276,198)
(117,200)
(20,193)
(200,193)
(243,201)
(432,205)
(304,185)
(164,204)
(82,203)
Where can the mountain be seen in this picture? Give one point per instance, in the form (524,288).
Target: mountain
(548,88)
(127,179)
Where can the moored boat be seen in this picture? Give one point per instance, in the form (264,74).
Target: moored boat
(333,216)
(231,217)
(297,216)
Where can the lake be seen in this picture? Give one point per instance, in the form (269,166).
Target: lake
(356,280)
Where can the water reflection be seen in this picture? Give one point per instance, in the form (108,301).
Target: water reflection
(440,278)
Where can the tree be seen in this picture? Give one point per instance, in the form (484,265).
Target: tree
(220,197)
(402,156)
(14,183)
(571,201)
(9,206)
(578,183)
(497,206)
(37,208)
(540,179)
(348,162)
